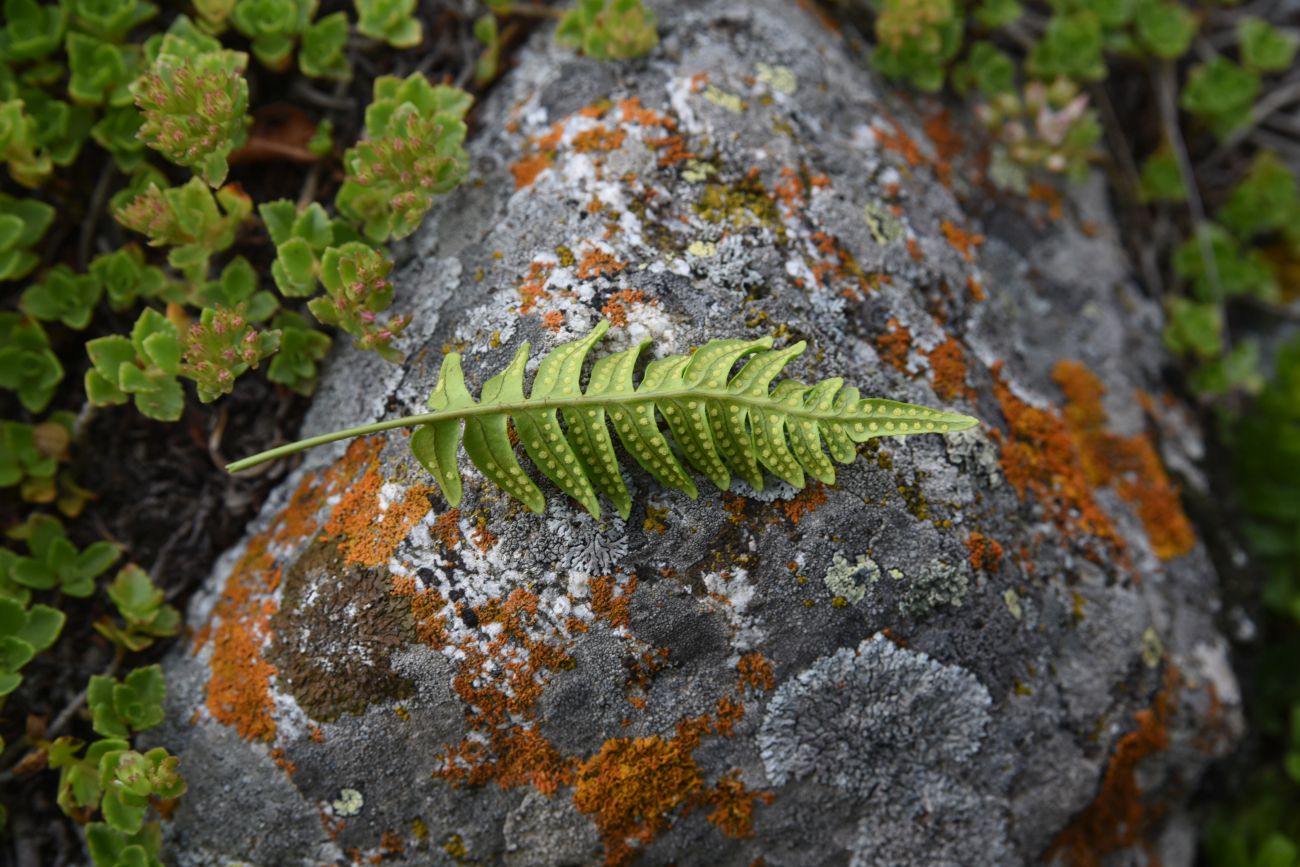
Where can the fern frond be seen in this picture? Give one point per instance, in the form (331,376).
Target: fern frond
(722,423)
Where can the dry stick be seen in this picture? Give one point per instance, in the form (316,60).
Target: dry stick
(1283,95)
(1131,177)
(63,718)
(1169,117)
(92,214)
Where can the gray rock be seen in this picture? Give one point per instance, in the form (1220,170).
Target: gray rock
(980,649)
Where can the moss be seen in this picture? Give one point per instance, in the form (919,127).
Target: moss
(918,505)
(238,690)
(739,204)
(334,633)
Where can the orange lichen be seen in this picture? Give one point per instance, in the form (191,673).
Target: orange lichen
(599,138)
(1040,456)
(1049,196)
(633,112)
(526,169)
(446,528)
(948,369)
(1131,464)
(611,600)
(755,672)
(596,262)
(238,691)
(1119,817)
(730,712)
(533,289)
(633,786)
(804,502)
(914,249)
(985,552)
(901,143)
(894,345)
(553,320)
(615,309)
(671,148)
(733,810)
(962,241)
(976,290)
(501,698)
(368,533)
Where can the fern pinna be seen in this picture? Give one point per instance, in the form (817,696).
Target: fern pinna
(722,423)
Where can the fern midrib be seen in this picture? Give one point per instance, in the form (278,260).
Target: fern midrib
(527,404)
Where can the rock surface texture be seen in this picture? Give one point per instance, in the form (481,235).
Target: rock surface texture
(988,648)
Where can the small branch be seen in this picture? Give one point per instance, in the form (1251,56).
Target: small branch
(1169,117)
(65,715)
(1281,96)
(332,102)
(91,219)
(1131,177)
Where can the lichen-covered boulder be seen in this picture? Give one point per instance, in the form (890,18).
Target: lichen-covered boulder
(983,648)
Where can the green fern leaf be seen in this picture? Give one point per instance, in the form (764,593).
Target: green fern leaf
(721,423)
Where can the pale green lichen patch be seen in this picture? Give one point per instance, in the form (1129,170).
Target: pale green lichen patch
(702,249)
(348,803)
(1152,647)
(851,580)
(724,99)
(883,225)
(779,78)
(1012,599)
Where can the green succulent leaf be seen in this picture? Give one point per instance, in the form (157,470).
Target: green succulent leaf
(722,423)
(357,289)
(302,348)
(323,53)
(221,347)
(23,222)
(142,368)
(916,39)
(127,279)
(1221,93)
(20,149)
(1071,48)
(489,61)
(101,72)
(27,364)
(274,27)
(1237,270)
(133,704)
(1266,200)
(32,29)
(1264,47)
(1194,328)
(1162,180)
(615,29)
(110,20)
(63,296)
(1165,27)
(414,152)
(192,219)
(390,21)
(195,109)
